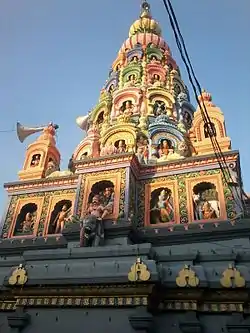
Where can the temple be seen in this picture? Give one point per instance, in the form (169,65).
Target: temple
(143,232)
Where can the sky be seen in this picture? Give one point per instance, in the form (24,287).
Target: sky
(55,56)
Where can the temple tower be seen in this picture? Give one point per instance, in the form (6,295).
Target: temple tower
(200,139)
(42,156)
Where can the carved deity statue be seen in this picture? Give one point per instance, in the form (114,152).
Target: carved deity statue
(159,108)
(51,167)
(142,149)
(35,160)
(92,230)
(60,219)
(206,205)
(28,223)
(156,80)
(164,149)
(132,81)
(208,211)
(121,147)
(108,149)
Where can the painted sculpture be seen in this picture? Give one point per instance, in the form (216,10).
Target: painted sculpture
(99,207)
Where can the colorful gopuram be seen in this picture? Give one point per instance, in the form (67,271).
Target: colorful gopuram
(143,232)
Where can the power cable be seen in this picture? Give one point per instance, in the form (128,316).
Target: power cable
(7,131)
(205,116)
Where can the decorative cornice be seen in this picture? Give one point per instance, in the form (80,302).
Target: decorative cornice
(81,301)
(183,165)
(186,164)
(193,305)
(41,184)
(121,301)
(193,232)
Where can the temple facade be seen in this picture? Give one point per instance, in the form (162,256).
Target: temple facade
(143,232)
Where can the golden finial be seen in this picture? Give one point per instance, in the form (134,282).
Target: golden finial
(231,278)
(187,278)
(138,272)
(18,277)
(145,9)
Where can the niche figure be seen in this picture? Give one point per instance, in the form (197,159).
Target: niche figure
(156,80)
(161,206)
(134,59)
(142,152)
(209,129)
(205,201)
(153,59)
(131,82)
(25,220)
(35,160)
(159,108)
(101,202)
(121,146)
(164,149)
(60,214)
(127,108)
(108,149)
(187,119)
(51,167)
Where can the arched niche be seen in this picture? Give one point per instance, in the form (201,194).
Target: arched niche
(103,106)
(177,84)
(99,188)
(113,81)
(166,133)
(83,150)
(102,194)
(26,220)
(200,130)
(134,95)
(118,63)
(209,130)
(119,132)
(31,156)
(155,69)
(161,206)
(35,160)
(159,95)
(61,211)
(153,52)
(136,52)
(132,70)
(206,204)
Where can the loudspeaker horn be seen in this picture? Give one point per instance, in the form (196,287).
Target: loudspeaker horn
(23,132)
(82,122)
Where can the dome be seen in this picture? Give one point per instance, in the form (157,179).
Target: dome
(145,24)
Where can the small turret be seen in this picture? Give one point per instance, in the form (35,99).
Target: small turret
(42,156)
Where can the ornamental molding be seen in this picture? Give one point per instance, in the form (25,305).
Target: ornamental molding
(46,184)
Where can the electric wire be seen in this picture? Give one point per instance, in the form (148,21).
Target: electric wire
(205,116)
(7,131)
